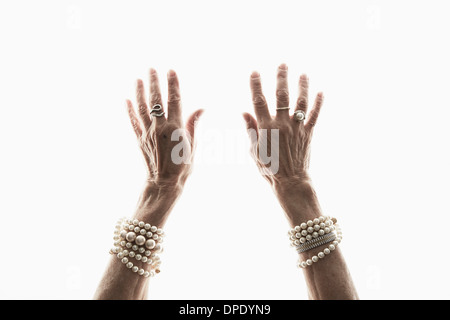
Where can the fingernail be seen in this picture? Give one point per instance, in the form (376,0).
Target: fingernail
(255,74)
(152,71)
(304,77)
(283,66)
(171,73)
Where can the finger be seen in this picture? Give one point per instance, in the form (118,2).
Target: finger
(282,92)
(134,119)
(252,128)
(314,114)
(191,123)
(174,100)
(259,101)
(142,105)
(155,95)
(302,101)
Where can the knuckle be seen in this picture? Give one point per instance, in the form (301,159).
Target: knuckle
(259,100)
(142,109)
(282,94)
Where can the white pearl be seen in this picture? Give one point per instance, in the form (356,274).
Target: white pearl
(115,250)
(296,242)
(304,233)
(131,227)
(315,259)
(123,234)
(298,235)
(309,262)
(143,232)
(149,261)
(129,245)
(310,230)
(328,223)
(335,242)
(332,228)
(153,229)
(302,240)
(316,221)
(153,255)
(149,234)
(327,230)
(123,243)
(140,240)
(159,231)
(326,251)
(141,224)
(116,243)
(125,252)
(137,229)
(322,219)
(147,253)
(303,226)
(135,222)
(321,232)
(126,226)
(317,227)
(310,223)
(308,237)
(141,250)
(141,272)
(129,265)
(134,247)
(322,225)
(131,254)
(147,226)
(297,229)
(138,257)
(146,274)
(120,255)
(124,260)
(135,269)
(144,259)
(150,244)
(300,265)
(321,255)
(131,236)
(155,237)
(315,234)
(292,238)
(303,264)
(331,247)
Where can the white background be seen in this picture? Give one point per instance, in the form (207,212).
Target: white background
(70,165)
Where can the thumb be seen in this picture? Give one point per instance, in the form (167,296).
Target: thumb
(252,127)
(192,122)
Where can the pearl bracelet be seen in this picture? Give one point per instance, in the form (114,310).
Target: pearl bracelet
(311,230)
(315,233)
(139,240)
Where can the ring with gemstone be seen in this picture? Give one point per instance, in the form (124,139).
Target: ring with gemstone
(299,115)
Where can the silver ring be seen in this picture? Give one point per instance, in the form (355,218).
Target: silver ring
(299,115)
(283,108)
(155,111)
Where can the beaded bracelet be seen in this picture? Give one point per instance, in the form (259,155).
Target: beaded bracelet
(311,230)
(139,240)
(315,233)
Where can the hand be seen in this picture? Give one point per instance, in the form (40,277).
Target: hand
(155,133)
(290,180)
(167,146)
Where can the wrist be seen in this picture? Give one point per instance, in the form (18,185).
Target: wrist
(157,201)
(298,199)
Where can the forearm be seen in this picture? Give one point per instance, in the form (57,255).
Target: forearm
(118,282)
(329,278)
